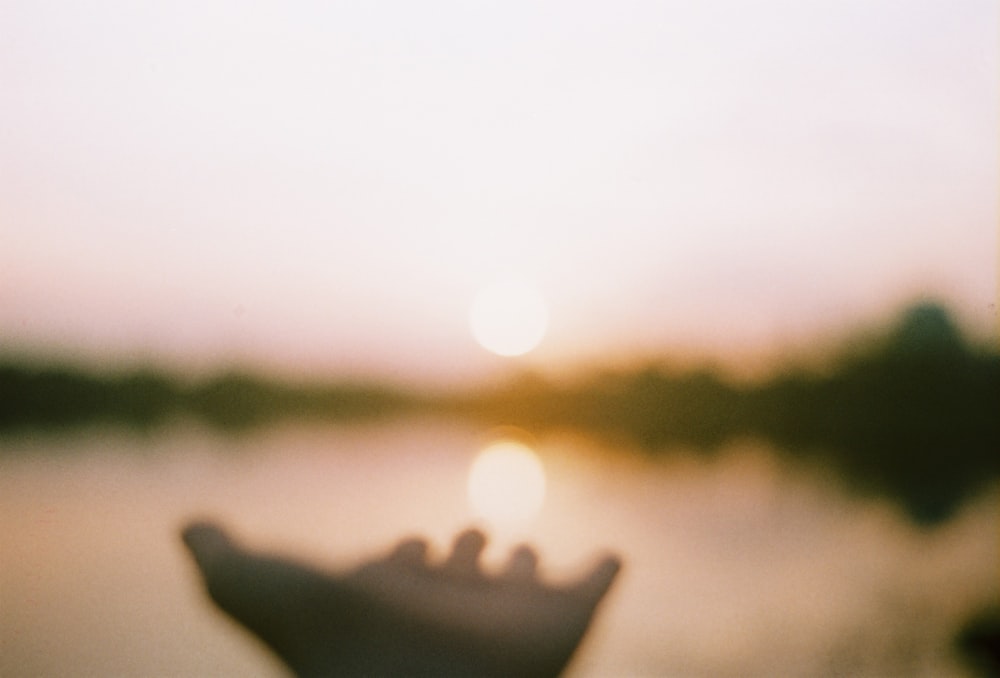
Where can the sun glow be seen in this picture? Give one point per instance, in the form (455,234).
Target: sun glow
(509,317)
(506,484)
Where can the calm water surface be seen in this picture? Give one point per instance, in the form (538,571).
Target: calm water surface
(736,563)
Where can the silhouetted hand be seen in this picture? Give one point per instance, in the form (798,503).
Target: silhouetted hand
(401,615)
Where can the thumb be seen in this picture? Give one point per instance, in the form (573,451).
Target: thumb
(207,542)
(597,582)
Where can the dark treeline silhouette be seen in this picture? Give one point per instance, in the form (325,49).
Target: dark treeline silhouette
(32,397)
(911,414)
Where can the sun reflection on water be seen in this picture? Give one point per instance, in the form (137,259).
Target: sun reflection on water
(506,485)
(741,544)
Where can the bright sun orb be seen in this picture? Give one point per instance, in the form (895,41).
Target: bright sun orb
(509,317)
(506,484)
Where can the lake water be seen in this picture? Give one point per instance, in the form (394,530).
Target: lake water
(736,563)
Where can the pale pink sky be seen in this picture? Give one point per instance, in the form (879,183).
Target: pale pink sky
(325,186)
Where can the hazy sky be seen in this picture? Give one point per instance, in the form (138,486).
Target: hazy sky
(326,185)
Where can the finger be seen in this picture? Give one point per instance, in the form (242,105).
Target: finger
(593,587)
(523,564)
(465,553)
(410,552)
(207,542)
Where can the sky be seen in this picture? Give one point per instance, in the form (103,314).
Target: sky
(324,187)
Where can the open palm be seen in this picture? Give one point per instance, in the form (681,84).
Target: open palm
(401,615)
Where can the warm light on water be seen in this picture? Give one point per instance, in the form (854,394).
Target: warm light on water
(506,484)
(736,563)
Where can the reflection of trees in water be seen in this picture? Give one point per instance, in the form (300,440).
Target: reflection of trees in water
(914,416)
(911,415)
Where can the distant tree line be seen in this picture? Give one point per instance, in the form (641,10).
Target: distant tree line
(64,397)
(913,414)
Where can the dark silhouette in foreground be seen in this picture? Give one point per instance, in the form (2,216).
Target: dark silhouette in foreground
(979,642)
(401,615)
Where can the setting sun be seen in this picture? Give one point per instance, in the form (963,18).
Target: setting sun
(509,317)
(506,484)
